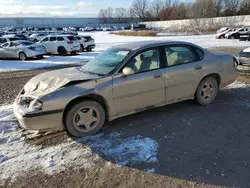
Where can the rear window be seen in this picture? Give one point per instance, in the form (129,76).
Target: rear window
(71,38)
(200,53)
(78,38)
(52,39)
(60,38)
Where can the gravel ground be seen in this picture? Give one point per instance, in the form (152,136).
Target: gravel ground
(198,146)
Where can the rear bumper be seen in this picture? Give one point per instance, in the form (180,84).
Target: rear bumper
(39,121)
(91,46)
(30,53)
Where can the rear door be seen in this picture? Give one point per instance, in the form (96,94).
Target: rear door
(184,71)
(53,44)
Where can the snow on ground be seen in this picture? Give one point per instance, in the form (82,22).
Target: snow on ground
(237,84)
(105,40)
(18,157)
(48,61)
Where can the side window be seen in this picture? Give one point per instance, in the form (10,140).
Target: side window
(60,39)
(177,55)
(52,39)
(2,40)
(200,53)
(5,45)
(45,39)
(145,61)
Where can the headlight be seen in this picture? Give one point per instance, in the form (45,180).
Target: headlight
(36,105)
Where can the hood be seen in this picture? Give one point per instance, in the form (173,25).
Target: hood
(50,81)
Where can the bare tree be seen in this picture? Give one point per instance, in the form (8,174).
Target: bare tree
(218,5)
(156,7)
(103,16)
(121,14)
(140,8)
(231,7)
(244,7)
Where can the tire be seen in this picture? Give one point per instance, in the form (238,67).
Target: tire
(35,40)
(72,118)
(40,57)
(82,48)
(61,51)
(200,95)
(73,53)
(221,37)
(89,49)
(22,56)
(231,37)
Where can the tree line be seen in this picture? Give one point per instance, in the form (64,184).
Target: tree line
(161,10)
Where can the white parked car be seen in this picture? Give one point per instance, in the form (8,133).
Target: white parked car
(36,37)
(86,43)
(60,44)
(22,49)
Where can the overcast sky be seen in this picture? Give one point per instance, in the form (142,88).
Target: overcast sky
(66,8)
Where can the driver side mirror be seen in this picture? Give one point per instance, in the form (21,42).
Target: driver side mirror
(127,71)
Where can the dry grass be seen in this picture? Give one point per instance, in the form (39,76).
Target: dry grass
(136,33)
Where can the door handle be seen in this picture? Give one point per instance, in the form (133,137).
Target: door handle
(198,67)
(158,76)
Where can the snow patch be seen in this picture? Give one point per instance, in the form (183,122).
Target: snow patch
(18,157)
(237,84)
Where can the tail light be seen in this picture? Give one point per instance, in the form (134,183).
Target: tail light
(70,42)
(32,48)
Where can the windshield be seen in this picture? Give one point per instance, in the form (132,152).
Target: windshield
(106,62)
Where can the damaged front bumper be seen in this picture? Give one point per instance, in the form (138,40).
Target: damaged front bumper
(38,120)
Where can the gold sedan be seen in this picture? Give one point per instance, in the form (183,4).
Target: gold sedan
(120,81)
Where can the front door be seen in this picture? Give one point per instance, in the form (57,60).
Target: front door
(183,73)
(143,89)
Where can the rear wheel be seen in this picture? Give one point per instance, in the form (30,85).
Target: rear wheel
(207,91)
(22,56)
(61,51)
(73,53)
(89,49)
(39,56)
(35,40)
(85,118)
(222,37)
(231,37)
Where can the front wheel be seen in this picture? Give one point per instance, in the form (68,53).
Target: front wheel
(85,118)
(22,56)
(207,91)
(89,49)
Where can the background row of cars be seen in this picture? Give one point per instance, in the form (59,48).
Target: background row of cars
(242,34)
(12,46)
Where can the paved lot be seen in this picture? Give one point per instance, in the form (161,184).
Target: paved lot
(198,146)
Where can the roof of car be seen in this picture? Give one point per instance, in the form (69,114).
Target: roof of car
(148,44)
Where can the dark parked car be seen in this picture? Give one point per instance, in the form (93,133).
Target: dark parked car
(244,36)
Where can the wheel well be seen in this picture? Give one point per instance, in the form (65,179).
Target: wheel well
(93,97)
(20,53)
(216,76)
